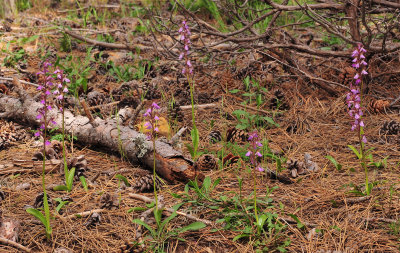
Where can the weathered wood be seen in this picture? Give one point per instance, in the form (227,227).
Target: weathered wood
(170,163)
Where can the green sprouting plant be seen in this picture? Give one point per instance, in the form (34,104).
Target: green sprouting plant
(123,73)
(206,7)
(277,159)
(127,72)
(65,43)
(123,179)
(84,183)
(23,5)
(133,10)
(13,58)
(394,228)
(59,136)
(162,233)
(205,190)
(266,232)
(18,54)
(61,204)
(331,40)
(362,155)
(253,92)
(106,38)
(247,120)
(378,164)
(78,69)
(337,165)
(357,189)
(69,181)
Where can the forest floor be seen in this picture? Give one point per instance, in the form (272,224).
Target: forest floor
(321,210)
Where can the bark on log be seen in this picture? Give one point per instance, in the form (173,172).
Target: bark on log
(170,163)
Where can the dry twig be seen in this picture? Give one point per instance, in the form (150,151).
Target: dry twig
(14,244)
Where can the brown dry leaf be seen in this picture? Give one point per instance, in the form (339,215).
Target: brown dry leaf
(162,124)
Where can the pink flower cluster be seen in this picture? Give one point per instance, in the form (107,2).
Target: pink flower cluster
(184,32)
(354,97)
(49,88)
(152,118)
(253,153)
(46,100)
(62,89)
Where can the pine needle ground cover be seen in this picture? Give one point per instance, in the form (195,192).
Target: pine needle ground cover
(274,164)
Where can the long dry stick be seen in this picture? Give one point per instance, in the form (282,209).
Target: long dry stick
(82,214)
(14,244)
(22,81)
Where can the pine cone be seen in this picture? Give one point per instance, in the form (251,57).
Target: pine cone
(215,136)
(10,133)
(175,111)
(296,168)
(80,165)
(278,101)
(390,128)
(108,201)
(206,162)
(97,98)
(145,183)
(230,160)
(378,106)
(236,135)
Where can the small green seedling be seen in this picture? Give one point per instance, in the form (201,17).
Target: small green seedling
(337,165)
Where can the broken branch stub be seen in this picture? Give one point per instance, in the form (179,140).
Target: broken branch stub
(170,163)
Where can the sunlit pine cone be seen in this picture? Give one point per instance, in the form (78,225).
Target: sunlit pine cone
(378,106)
(206,162)
(7,135)
(145,183)
(10,133)
(236,135)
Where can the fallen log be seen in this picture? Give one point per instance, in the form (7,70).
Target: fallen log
(170,163)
